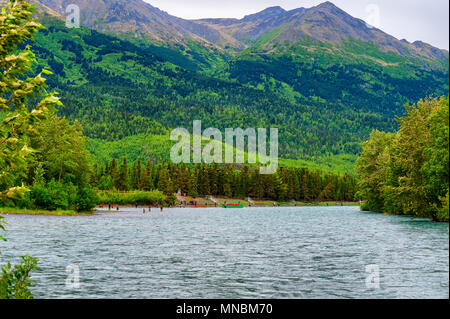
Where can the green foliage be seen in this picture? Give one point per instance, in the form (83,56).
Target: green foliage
(51,196)
(408,172)
(17,88)
(61,151)
(170,200)
(140,197)
(56,195)
(443,213)
(371,169)
(85,200)
(36,147)
(299,184)
(15,280)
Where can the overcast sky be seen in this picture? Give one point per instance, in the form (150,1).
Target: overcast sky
(425,20)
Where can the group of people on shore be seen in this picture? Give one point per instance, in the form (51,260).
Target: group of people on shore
(144,210)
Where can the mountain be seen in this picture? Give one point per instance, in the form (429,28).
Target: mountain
(140,19)
(323,23)
(325,79)
(42,8)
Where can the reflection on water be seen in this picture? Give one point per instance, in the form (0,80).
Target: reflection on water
(303,252)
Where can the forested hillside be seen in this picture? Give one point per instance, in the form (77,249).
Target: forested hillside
(324,104)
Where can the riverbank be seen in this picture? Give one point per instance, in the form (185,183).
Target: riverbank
(23,211)
(193,203)
(437,220)
(203,203)
(220,200)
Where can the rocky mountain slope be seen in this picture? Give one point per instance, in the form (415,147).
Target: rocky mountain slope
(324,23)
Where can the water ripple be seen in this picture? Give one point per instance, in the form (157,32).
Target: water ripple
(250,253)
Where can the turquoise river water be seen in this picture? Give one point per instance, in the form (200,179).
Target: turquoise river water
(302,252)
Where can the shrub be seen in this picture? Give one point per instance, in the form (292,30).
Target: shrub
(142,198)
(15,282)
(86,199)
(442,214)
(50,196)
(170,199)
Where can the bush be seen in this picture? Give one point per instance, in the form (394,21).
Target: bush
(22,202)
(85,200)
(56,195)
(15,282)
(50,196)
(170,200)
(142,198)
(442,214)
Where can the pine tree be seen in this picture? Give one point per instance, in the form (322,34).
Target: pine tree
(193,186)
(164,184)
(123,182)
(114,173)
(139,174)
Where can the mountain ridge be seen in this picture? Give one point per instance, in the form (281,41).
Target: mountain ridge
(322,23)
(324,98)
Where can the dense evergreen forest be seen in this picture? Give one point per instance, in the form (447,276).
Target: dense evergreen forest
(408,172)
(223,180)
(324,105)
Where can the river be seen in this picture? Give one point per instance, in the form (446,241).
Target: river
(302,252)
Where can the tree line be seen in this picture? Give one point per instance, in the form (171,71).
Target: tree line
(234,181)
(408,172)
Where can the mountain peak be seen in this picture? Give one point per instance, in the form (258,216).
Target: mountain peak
(326,4)
(266,13)
(329,7)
